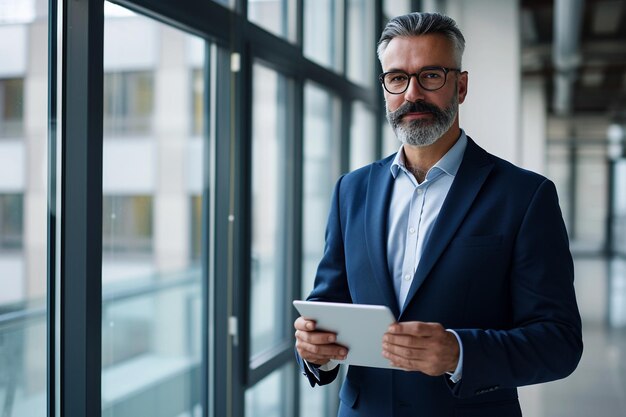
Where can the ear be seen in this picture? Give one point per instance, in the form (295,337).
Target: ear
(462,86)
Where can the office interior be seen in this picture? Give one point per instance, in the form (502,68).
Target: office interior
(166,168)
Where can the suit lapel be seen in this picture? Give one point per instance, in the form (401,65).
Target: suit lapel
(376,213)
(472,173)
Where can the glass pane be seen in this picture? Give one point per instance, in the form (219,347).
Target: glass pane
(276,16)
(152,218)
(128,102)
(23,207)
(269,211)
(272,397)
(361,41)
(11,107)
(323,32)
(321,166)
(391,144)
(362,136)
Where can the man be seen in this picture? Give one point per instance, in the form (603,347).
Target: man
(468,251)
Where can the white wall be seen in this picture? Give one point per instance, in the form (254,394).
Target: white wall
(490,114)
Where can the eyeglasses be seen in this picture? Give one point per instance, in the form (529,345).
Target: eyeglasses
(429,78)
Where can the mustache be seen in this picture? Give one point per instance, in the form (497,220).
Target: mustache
(415,107)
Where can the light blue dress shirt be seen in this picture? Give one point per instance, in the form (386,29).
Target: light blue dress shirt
(413,212)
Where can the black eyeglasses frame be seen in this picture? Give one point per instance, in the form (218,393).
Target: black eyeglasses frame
(445,70)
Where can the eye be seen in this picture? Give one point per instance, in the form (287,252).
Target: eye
(397,77)
(431,75)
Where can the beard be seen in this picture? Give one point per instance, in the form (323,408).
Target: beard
(423,132)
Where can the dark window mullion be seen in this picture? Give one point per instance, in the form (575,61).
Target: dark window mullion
(80,277)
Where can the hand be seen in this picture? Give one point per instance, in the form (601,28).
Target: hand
(314,346)
(419,346)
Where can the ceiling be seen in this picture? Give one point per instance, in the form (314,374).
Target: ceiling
(598,69)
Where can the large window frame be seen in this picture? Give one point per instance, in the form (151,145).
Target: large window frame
(75,177)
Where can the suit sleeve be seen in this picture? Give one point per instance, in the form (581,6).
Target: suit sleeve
(330,281)
(545,341)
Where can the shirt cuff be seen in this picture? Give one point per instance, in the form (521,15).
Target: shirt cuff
(314,369)
(458,372)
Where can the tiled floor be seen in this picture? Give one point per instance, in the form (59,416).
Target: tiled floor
(598,386)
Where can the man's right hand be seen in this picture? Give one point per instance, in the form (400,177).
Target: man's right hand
(317,347)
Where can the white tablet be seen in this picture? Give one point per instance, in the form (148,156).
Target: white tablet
(359,327)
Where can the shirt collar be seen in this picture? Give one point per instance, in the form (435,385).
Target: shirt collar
(449,163)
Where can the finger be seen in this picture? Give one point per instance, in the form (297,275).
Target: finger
(304,324)
(404,352)
(415,328)
(317,338)
(415,342)
(321,351)
(404,363)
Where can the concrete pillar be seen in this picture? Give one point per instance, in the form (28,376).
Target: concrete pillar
(491,112)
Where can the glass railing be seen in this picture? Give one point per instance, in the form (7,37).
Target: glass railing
(151,350)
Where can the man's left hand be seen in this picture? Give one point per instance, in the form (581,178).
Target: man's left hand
(419,346)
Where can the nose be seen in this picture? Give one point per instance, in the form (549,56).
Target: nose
(414,91)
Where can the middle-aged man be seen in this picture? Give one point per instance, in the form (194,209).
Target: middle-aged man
(468,251)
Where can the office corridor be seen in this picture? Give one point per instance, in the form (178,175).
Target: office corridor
(598,386)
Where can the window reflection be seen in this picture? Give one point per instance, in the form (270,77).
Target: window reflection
(152,216)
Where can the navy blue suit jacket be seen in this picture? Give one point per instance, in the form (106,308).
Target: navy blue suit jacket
(497,269)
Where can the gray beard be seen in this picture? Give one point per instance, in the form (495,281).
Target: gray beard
(423,132)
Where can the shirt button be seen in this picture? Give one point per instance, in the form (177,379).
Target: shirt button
(411,230)
(419,191)
(407,277)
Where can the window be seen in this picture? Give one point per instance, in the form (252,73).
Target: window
(178,143)
(276,16)
(272,397)
(152,301)
(11,221)
(269,210)
(128,103)
(362,136)
(197,77)
(361,42)
(11,107)
(127,224)
(23,208)
(323,32)
(321,167)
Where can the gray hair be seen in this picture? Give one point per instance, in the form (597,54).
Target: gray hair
(415,24)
